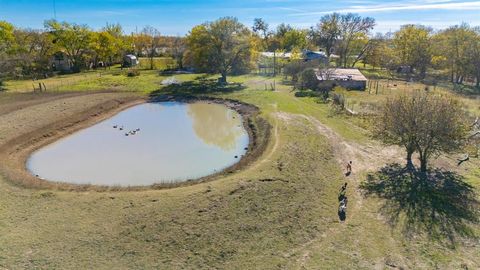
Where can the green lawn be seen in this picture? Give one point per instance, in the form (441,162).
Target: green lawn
(159,63)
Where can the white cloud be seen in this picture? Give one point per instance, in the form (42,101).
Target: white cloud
(418,5)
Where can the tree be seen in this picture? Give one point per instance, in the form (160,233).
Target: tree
(380,52)
(308,79)
(343,31)
(260,27)
(121,43)
(412,47)
(7,40)
(361,46)
(454,46)
(327,32)
(104,46)
(295,67)
(474,52)
(294,39)
(178,51)
(6,36)
(424,123)
(73,39)
(221,46)
(32,52)
(352,27)
(151,38)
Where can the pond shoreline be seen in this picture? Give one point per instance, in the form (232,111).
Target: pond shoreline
(15,153)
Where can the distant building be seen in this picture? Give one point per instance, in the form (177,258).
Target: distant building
(306,55)
(130,60)
(312,55)
(61,62)
(349,78)
(283,55)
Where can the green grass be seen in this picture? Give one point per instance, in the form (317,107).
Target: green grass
(114,79)
(244,221)
(280,213)
(159,63)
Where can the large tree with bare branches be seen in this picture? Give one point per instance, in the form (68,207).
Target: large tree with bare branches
(424,123)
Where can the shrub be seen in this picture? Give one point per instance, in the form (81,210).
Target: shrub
(295,67)
(308,79)
(133,73)
(307,93)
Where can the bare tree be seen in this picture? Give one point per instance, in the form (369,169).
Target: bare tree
(152,42)
(327,32)
(341,30)
(350,27)
(424,123)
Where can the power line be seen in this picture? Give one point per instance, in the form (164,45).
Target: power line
(54,10)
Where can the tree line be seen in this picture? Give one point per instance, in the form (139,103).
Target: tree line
(227,46)
(29,52)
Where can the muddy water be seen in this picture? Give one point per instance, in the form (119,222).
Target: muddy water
(174,142)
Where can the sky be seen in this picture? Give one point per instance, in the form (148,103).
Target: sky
(178,17)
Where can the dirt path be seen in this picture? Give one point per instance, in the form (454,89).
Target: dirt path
(365,158)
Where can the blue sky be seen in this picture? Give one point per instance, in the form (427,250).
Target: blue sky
(177,17)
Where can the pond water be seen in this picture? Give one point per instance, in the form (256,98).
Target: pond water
(167,142)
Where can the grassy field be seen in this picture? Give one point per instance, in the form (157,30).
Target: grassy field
(380,89)
(110,79)
(159,63)
(278,213)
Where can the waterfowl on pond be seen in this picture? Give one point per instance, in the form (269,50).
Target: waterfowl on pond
(115,126)
(121,128)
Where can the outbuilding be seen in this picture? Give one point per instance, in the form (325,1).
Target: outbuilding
(130,60)
(349,78)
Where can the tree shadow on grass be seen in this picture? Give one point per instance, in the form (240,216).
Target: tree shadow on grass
(438,203)
(197,87)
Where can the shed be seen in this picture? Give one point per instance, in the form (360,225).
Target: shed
(349,78)
(61,62)
(130,60)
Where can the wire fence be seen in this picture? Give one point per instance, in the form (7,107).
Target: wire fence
(62,82)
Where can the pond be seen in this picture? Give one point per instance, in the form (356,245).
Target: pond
(147,144)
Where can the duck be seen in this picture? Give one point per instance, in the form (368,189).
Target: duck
(121,128)
(115,126)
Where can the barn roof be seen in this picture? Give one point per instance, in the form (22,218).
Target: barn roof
(340,74)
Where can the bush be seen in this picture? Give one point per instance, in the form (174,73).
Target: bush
(307,93)
(338,101)
(308,79)
(133,73)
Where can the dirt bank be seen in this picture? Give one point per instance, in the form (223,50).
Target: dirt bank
(28,126)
